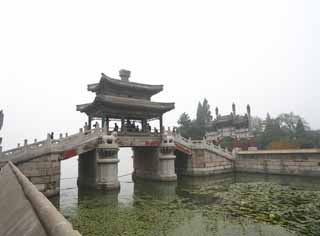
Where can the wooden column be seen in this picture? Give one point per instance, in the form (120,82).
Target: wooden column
(143,125)
(122,128)
(161,124)
(107,123)
(89,122)
(103,121)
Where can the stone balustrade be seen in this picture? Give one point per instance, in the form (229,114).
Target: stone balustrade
(48,142)
(200,144)
(69,141)
(25,211)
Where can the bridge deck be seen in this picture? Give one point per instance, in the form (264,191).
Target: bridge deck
(82,142)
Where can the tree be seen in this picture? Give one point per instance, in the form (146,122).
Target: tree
(203,119)
(204,116)
(227,142)
(271,132)
(303,138)
(285,132)
(184,120)
(184,125)
(256,125)
(289,122)
(299,129)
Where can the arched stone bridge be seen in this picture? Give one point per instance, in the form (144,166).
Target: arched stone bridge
(157,157)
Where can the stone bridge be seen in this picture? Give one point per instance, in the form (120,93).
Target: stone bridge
(156,157)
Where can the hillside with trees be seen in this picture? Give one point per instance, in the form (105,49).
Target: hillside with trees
(286,131)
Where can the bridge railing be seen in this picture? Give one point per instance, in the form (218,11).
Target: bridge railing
(135,133)
(180,139)
(201,144)
(21,149)
(34,208)
(83,135)
(65,140)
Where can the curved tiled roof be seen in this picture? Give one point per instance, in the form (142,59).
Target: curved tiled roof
(124,105)
(152,89)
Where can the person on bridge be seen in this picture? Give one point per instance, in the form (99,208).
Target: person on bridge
(133,127)
(86,127)
(116,128)
(149,127)
(128,125)
(96,125)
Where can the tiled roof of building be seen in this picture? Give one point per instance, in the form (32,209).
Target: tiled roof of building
(151,89)
(125,105)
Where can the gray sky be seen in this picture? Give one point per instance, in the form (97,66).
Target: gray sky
(265,53)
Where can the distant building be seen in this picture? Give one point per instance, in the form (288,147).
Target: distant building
(232,125)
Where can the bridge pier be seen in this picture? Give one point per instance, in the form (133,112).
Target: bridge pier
(155,163)
(99,168)
(107,167)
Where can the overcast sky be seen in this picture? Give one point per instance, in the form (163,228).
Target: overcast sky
(265,53)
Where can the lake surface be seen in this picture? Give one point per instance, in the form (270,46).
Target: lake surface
(223,205)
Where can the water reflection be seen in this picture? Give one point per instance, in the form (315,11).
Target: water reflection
(300,182)
(189,187)
(155,190)
(204,181)
(104,198)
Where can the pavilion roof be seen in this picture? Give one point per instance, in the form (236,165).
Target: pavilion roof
(106,82)
(124,107)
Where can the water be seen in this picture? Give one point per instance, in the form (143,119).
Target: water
(223,205)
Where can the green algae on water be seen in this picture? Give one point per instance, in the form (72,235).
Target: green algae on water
(239,209)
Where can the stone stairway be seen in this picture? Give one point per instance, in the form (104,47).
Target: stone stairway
(188,145)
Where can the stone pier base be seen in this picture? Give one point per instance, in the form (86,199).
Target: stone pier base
(99,168)
(155,163)
(107,168)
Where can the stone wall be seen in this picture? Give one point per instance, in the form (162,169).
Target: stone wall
(25,211)
(286,162)
(203,162)
(43,172)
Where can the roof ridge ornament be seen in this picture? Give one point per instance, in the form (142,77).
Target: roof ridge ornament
(124,75)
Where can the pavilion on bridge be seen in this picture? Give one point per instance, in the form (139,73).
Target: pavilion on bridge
(125,101)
